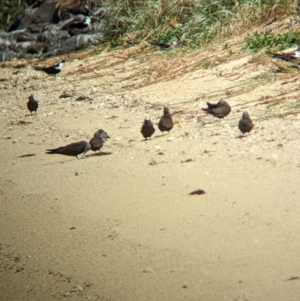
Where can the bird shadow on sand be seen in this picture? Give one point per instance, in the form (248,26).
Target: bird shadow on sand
(27,155)
(61,162)
(154,137)
(162,135)
(241,136)
(81,158)
(97,155)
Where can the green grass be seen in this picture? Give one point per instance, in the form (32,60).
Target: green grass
(9,9)
(193,23)
(275,42)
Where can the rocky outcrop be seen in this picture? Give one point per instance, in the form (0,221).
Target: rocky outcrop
(44,30)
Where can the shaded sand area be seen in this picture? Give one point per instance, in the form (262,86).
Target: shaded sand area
(124,226)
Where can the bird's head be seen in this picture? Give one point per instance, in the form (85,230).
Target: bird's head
(147,120)
(245,115)
(221,102)
(166,111)
(61,63)
(102,134)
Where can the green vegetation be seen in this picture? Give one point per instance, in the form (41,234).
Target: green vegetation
(191,23)
(9,9)
(276,42)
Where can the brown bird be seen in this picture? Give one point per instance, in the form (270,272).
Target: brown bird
(165,122)
(161,45)
(245,124)
(52,70)
(147,129)
(287,56)
(73,149)
(98,140)
(32,104)
(219,110)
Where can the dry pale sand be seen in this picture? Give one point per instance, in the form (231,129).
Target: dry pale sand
(123,226)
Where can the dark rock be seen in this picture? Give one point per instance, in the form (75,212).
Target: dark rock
(25,37)
(82,9)
(60,13)
(5,44)
(7,56)
(53,36)
(21,47)
(44,13)
(36,28)
(45,29)
(74,43)
(26,19)
(78,25)
(34,48)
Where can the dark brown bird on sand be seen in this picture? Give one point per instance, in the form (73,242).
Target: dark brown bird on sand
(219,110)
(147,129)
(98,140)
(32,104)
(73,149)
(51,70)
(245,124)
(165,122)
(287,56)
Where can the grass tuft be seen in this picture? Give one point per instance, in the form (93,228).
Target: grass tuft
(275,42)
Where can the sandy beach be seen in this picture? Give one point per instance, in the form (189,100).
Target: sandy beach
(123,226)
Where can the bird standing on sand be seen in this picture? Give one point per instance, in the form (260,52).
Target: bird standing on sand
(52,70)
(245,124)
(73,149)
(165,122)
(219,110)
(98,140)
(32,104)
(147,129)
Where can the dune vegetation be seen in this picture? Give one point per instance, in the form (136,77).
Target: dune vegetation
(190,23)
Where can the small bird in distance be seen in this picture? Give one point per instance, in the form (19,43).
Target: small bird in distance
(51,70)
(147,129)
(245,123)
(32,104)
(166,121)
(98,140)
